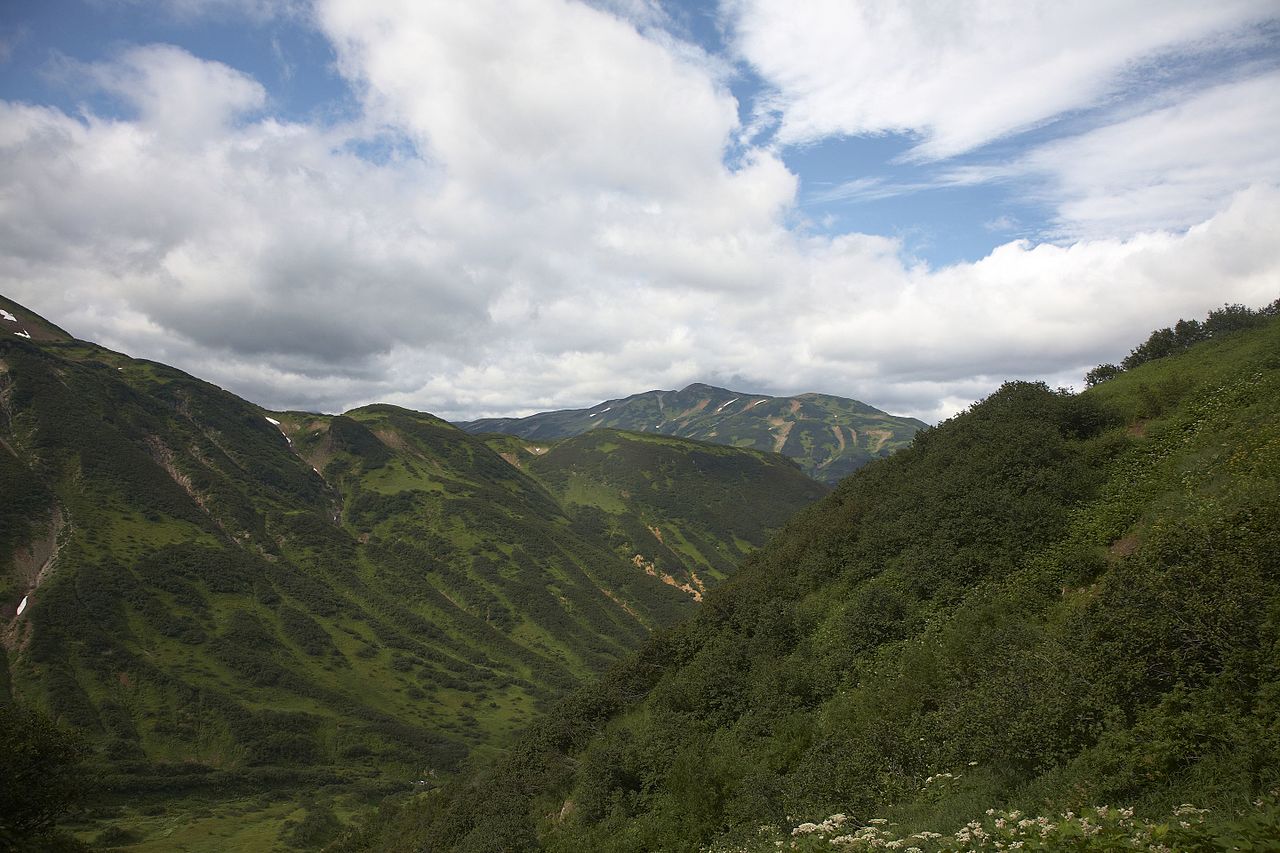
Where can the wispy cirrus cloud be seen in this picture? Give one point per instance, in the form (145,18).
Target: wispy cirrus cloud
(960,75)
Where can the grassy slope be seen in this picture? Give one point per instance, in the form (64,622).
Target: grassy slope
(688,510)
(829,437)
(1057,600)
(223,619)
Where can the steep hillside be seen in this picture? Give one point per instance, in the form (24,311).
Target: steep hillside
(1048,603)
(829,437)
(684,511)
(227,600)
(19,321)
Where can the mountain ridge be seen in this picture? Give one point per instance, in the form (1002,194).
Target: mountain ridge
(828,436)
(222,597)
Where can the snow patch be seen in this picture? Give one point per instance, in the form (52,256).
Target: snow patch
(722,405)
(602,411)
(592,415)
(22,606)
(5,314)
(23,334)
(273,422)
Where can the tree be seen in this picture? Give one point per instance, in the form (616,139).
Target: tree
(42,779)
(1231,318)
(1102,373)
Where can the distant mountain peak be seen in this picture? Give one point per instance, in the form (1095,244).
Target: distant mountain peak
(828,436)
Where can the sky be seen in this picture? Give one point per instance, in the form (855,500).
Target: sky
(504,206)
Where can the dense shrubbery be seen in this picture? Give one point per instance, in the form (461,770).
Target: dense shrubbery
(1185,334)
(419,597)
(1047,602)
(43,779)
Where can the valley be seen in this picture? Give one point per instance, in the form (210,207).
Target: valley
(230,602)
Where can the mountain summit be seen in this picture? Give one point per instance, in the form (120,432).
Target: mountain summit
(830,437)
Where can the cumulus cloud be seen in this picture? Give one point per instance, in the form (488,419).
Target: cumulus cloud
(534,211)
(961,74)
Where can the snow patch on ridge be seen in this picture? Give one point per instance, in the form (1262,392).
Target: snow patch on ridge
(12,319)
(22,606)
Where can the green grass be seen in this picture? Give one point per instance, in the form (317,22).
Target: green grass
(1060,600)
(709,414)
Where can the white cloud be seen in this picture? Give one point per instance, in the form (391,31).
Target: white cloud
(571,233)
(1167,168)
(962,74)
(515,97)
(175,96)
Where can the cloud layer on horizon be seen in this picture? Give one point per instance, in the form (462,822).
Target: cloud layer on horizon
(534,210)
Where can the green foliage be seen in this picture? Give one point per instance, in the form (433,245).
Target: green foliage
(829,437)
(43,779)
(1047,602)
(317,828)
(1186,333)
(1102,373)
(223,618)
(350,436)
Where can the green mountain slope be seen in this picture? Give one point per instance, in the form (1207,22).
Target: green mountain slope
(226,600)
(829,437)
(684,511)
(1047,603)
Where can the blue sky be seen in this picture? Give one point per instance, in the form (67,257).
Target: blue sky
(492,208)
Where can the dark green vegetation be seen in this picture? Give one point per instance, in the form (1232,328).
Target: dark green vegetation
(830,437)
(1049,602)
(1185,334)
(43,777)
(685,511)
(227,608)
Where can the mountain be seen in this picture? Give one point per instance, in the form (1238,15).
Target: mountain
(19,321)
(1051,623)
(830,437)
(685,511)
(226,600)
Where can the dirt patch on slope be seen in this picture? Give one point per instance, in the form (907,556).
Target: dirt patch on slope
(780,440)
(618,601)
(880,436)
(163,456)
(839,434)
(652,571)
(1123,547)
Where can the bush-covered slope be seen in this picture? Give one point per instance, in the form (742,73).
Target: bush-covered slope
(223,599)
(828,436)
(686,511)
(1048,602)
